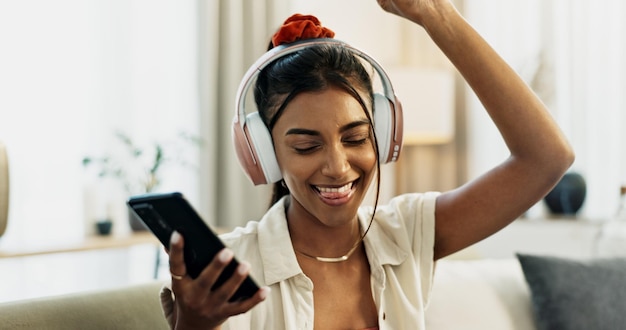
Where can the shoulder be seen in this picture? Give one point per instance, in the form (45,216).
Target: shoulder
(405,207)
(243,238)
(273,222)
(407,221)
(263,235)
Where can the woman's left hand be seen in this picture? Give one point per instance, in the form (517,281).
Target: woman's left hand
(414,10)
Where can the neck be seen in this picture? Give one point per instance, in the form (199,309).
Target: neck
(312,239)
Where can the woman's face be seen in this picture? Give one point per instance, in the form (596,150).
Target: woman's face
(325,151)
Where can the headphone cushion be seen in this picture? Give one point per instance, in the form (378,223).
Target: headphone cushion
(263,146)
(383,125)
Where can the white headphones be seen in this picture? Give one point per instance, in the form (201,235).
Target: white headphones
(253,141)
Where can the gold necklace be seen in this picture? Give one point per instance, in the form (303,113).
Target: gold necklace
(336,259)
(345,256)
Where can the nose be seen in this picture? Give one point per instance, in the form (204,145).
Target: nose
(336,163)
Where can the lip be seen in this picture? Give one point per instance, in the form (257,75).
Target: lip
(337,198)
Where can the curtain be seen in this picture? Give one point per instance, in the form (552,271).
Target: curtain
(588,47)
(572,54)
(233,34)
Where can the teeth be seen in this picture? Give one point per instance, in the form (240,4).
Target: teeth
(335,190)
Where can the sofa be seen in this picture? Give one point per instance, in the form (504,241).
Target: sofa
(529,292)
(4,188)
(480,294)
(132,307)
(467,294)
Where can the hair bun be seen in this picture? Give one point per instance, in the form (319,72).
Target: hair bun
(300,27)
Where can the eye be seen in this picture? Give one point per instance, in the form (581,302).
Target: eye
(357,139)
(357,142)
(305,149)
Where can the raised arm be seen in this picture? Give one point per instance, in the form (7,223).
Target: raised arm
(540,154)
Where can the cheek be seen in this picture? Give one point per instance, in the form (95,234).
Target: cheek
(366,156)
(367,160)
(291,166)
(296,175)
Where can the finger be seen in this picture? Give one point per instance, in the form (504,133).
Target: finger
(227,289)
(243,306)
(212,271)
(176,256)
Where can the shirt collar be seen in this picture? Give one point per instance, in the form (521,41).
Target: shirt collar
(275,245)
(278,255)
(380,246)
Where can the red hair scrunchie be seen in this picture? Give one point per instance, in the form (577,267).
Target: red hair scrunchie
(300,27)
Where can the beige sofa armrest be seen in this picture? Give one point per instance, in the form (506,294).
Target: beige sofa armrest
(4,188)
(133,307)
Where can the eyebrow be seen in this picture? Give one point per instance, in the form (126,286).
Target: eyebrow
(304,131)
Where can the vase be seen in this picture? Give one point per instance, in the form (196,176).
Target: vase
(103,227)
(568,196)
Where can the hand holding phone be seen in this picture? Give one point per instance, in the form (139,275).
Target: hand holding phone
(165,212)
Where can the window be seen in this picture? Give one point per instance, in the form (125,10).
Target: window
(72,73)
(572,53)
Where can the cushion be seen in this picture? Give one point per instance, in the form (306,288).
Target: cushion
(576,294)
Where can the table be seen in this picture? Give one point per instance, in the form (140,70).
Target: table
(87,243)
(83,244)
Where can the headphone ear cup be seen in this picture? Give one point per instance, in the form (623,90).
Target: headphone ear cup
(383,125)
(263,151)
(245,153)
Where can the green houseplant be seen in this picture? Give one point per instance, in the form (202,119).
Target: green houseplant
(138,168)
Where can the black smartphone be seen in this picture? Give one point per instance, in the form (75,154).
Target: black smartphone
(163,213)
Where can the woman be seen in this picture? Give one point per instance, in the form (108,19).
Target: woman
(331,264)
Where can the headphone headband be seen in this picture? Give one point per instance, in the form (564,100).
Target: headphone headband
(286,49)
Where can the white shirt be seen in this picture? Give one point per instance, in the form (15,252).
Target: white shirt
(399,246)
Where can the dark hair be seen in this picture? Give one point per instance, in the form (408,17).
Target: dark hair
(311,69)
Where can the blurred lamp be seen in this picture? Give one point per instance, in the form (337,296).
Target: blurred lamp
(427,97)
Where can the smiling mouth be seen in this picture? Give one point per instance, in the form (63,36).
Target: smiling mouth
(336,192)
